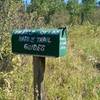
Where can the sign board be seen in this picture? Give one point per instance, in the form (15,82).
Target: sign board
(39,42)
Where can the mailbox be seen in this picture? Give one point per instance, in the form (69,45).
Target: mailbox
(39,42)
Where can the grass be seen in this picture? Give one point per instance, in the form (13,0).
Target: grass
(72,77)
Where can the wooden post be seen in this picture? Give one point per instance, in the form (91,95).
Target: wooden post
(38,72)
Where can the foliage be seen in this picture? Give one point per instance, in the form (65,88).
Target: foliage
(45,8)
(74,10)
(88,7)
(80,12)
(73,77)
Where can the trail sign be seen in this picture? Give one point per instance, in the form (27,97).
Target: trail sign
(39,42)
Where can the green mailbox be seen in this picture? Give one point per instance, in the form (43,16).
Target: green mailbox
(39,42)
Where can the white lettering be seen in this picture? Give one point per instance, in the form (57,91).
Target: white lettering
(43,40)
(27,47)
(24,39)
(34,47)
(34,39)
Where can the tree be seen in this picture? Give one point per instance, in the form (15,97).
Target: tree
(45,8)
(87,9)
(80,11)
(4,29)
(73,8)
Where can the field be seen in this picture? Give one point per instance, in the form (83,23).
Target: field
(75,76)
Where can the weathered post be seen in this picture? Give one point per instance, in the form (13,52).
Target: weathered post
(38,74)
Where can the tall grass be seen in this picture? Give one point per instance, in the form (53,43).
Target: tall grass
(72,77)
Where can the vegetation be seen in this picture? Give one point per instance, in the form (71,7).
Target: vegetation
(73,77)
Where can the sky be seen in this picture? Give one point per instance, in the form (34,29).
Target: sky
(78,0)
(67,1)
(29,1)
(97,0)
(26,2)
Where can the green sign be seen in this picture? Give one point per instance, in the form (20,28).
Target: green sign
(39,42)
